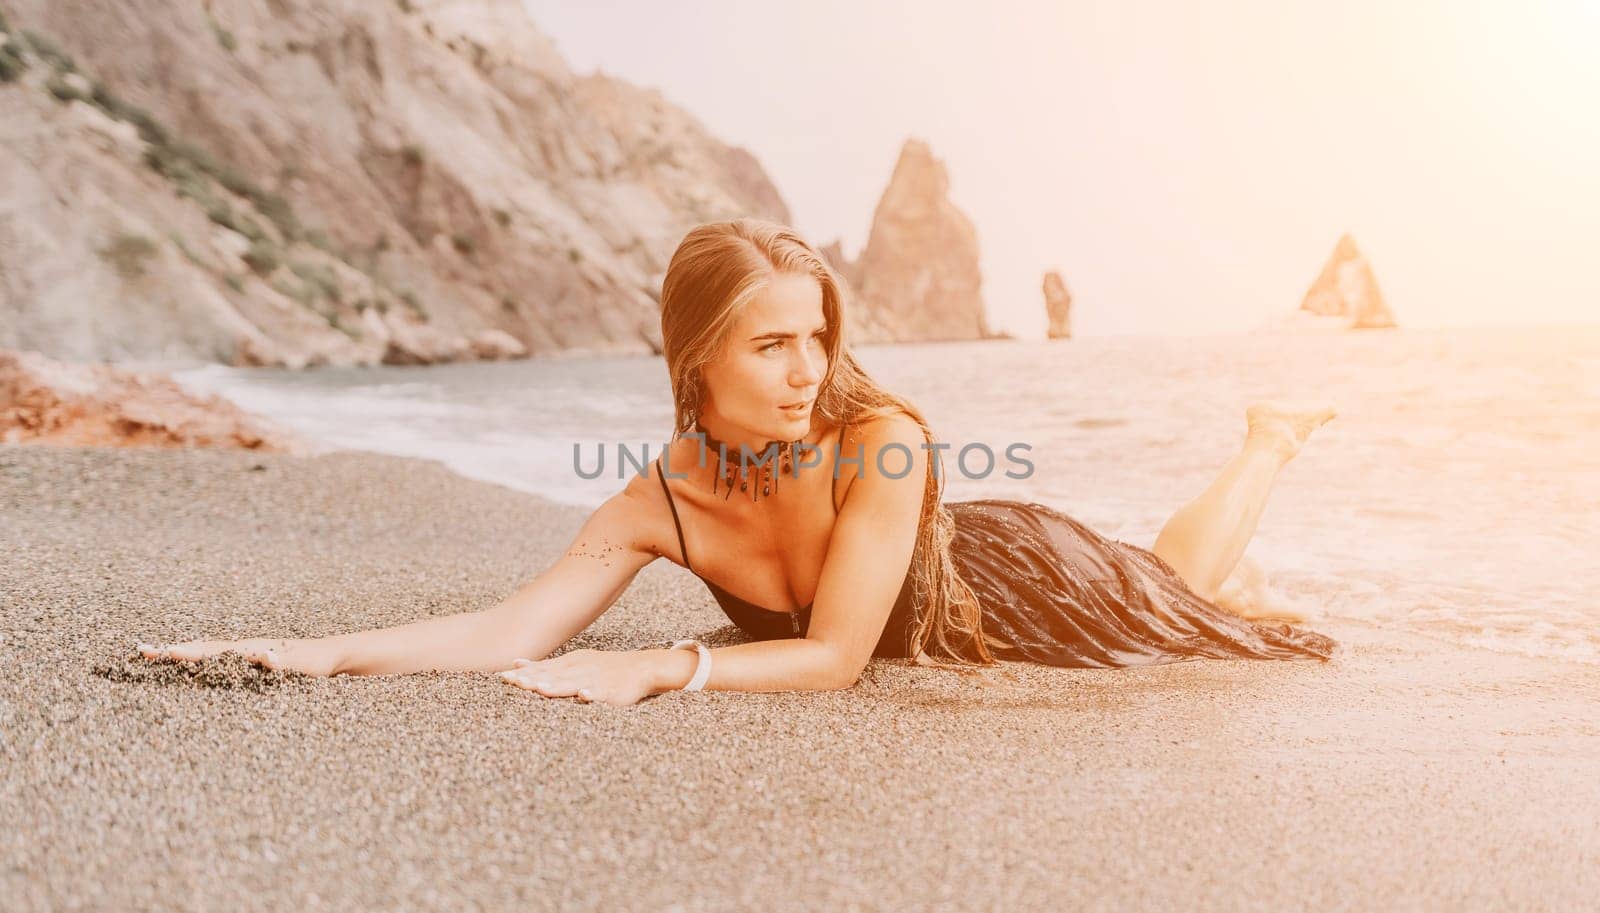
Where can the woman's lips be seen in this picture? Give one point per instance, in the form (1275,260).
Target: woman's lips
(796,407)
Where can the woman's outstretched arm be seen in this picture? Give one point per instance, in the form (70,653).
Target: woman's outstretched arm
(610,549)
(868,556)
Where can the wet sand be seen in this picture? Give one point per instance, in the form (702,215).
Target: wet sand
(1406,774)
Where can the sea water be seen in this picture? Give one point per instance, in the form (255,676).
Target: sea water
(1456,494)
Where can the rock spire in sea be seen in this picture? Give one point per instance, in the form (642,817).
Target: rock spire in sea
(1348,289)
(918,277)
(1057,306)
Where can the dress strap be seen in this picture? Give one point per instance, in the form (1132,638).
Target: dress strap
(833,484)
(684,549)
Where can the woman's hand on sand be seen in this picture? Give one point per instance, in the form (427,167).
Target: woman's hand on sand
(268,653)
(608,676)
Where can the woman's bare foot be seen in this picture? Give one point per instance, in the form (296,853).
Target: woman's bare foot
(1285,426)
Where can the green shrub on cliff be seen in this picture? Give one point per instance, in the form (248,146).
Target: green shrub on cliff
(262,258)
(150,130)
(127,254)
(224,215)
(354,332)
(12,63)
(320,278)
(414,303)
(49,52)
(64,90)
(224,37)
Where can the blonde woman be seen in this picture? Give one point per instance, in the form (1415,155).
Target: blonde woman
(807,498)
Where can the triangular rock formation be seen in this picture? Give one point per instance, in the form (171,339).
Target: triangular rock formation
(918,278)
(1347,289)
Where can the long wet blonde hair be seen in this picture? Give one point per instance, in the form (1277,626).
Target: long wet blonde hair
(720,267)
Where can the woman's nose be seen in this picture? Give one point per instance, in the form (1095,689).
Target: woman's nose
(807,369)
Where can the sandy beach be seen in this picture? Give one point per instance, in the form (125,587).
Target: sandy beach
(1406,774)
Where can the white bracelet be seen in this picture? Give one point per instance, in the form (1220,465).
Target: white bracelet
(702,665)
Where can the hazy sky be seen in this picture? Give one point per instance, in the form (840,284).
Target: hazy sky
(1188,167)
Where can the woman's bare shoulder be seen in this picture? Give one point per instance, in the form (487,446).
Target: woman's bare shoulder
(889,445)
(637,516)
(887,427)
(877,432)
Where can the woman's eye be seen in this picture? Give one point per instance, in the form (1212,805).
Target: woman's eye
(775,346)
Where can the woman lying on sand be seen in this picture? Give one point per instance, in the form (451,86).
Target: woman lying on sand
(766,392)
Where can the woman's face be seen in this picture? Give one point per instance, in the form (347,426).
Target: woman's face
(775,357)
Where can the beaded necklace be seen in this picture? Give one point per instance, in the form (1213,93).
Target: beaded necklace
(731,469)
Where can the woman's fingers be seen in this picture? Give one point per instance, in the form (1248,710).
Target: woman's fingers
(189,651)
(256,651)
(545,681)
(540,681)
(572,674)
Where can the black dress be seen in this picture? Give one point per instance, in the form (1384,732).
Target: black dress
(1054,591)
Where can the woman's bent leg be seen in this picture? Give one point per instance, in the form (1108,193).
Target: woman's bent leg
(1205,539)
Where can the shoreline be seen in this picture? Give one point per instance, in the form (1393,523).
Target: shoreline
(1408,772)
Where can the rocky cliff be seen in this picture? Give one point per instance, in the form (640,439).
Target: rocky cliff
(918,276)
(1347,290)
(43,401)
(286,182)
